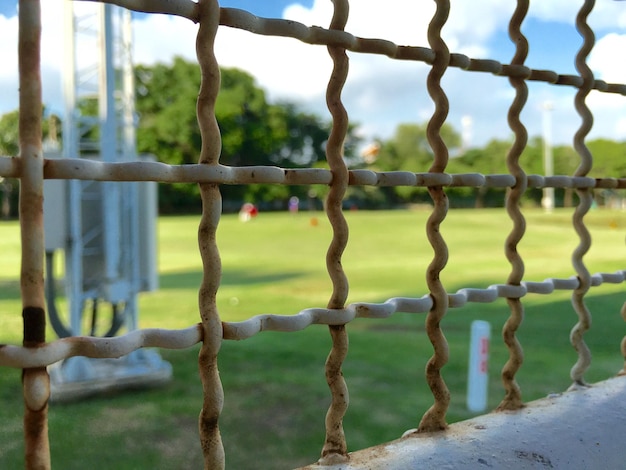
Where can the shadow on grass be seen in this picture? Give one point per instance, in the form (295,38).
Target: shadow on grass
(9,289)
(230,277)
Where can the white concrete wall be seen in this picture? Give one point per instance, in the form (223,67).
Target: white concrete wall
(578,430)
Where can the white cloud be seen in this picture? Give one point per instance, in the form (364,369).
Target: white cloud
(159,38)
(284,67)
(609,109)
(51,58)
(605,14)
(472,24)
(555,10)
(606,58)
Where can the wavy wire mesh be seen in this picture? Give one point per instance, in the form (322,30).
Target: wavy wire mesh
(35,353)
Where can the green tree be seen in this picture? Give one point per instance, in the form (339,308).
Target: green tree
(9,147)
(302,137)
(9,140)
(490,159)
(165,100)
(609,158)
(609,161)
(409,150)
(254,131)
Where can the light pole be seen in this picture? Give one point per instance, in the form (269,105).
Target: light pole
(547,202)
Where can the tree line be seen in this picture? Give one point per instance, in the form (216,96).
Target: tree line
(258,132)
(254,132)
(408,150)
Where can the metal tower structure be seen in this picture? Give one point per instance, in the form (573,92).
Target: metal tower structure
(99,225)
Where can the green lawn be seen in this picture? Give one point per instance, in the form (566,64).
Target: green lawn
(276,395)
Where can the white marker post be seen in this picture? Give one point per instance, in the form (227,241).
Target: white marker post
(478,377)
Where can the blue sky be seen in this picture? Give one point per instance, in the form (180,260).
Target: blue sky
(382,93)
(264,8)
(258,7)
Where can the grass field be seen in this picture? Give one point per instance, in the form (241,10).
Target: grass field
(276,395)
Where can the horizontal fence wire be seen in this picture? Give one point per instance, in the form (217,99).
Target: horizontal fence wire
(31,168)
(88,170)
(89,346)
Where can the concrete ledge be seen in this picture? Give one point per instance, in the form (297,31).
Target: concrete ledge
(581,429)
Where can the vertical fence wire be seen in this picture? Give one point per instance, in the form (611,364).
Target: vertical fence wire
(513,396)
(211,441)
(585,196)
(35,382)
(335,448)
(435,417)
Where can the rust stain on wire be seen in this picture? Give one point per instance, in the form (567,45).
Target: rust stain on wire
(513,395)
(435,417)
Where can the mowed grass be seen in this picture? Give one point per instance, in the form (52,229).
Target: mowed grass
(275,391)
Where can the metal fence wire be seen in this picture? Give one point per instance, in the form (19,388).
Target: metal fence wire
(31,168)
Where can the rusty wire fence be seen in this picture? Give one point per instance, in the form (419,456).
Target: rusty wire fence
(36,353)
